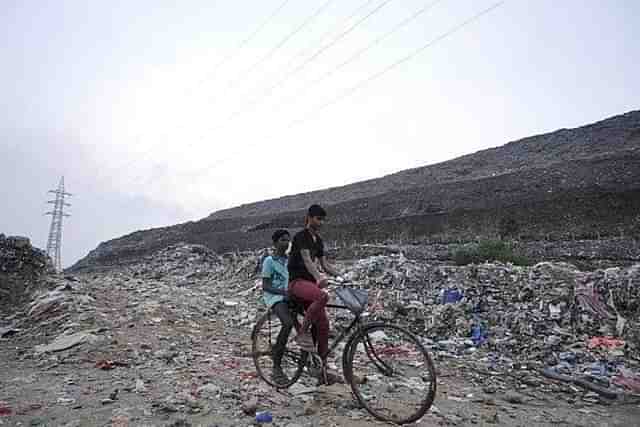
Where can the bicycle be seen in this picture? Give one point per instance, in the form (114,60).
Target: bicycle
(379,360)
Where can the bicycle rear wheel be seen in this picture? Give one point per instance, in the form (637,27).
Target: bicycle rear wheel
(263,339)
(390,373)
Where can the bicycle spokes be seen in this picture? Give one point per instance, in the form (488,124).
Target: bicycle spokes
(391,374)
(278,366)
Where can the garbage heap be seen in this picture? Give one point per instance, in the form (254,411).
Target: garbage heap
(188,264)
(562,323)
(546,324)
(21,268)
(189,281)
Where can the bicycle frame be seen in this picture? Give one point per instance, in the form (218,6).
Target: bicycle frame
(377,339)
(356,323)
(346,332)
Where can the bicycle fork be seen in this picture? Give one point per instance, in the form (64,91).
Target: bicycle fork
(380,364)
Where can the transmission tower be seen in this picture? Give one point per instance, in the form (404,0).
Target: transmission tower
(55,231)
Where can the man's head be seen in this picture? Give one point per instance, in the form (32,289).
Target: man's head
(315,216)
(281,240)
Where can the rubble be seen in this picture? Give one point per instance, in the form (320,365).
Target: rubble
(22,268)
(172,332)
(517,319)
(66,341)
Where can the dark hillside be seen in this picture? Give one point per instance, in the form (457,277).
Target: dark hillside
(580,183)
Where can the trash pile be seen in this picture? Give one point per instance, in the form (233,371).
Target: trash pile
(564,324)
(557,321)
(21,268)
(18,256)
(189,264)
(172,332)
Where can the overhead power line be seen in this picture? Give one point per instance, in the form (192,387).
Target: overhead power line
(331,72)
(361,84)
(322,37)
(281,43)
(358,53)
(299,68)
(350,91)
(230,83)
(226,59)
(240,45)
(324,48)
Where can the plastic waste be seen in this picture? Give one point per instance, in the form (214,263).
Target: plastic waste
(598,369)
(451,295)
(478,334)
(555,311)
(264,417)
(605,342)
(568,356)
(479,306)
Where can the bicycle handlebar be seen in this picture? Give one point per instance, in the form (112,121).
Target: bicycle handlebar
(333,281)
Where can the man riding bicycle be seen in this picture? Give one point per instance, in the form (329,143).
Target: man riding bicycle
(306,282)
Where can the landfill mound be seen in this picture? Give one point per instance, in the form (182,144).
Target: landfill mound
(22,268)
(560,187)
(167,339)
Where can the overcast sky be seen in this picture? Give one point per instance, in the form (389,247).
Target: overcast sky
(161,112)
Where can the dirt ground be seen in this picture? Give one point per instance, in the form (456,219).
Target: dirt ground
(72,392)
(177,359)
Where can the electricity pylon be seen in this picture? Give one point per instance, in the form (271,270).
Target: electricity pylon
(55,231)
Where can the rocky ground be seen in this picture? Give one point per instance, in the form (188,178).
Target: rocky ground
(166,341)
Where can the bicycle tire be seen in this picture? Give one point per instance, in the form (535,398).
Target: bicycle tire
(263,336)
(387,362)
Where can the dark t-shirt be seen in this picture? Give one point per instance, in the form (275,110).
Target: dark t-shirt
(303,240)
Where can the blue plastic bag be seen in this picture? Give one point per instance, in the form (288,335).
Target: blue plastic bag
(451,296)
(264,417)
(478,335)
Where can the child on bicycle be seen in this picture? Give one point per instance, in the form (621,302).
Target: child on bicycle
(275,281)
(306,283)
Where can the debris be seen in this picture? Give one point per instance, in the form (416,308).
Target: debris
(478,334)
(5,410)
(66,341)
(140,387)
(264,417)
(66,401)
(309,408)
(514,398)
(209,390)
(450,296)
(250,406)
(181,320)
(105,364)
(605,342)
(582,382)
(7,332)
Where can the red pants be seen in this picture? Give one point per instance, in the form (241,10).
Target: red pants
(314,300)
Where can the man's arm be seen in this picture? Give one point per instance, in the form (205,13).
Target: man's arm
(267,286)
(312,268)
(328,267)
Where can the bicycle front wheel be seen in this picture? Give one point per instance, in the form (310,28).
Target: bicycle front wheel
(390,373)
(263,341)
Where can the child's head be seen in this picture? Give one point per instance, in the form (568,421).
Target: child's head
(281,240)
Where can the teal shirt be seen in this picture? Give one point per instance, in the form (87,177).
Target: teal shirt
(275,268)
